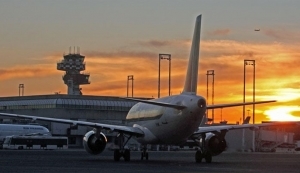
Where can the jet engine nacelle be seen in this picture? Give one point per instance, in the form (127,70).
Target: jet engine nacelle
(94,144)
(215,144)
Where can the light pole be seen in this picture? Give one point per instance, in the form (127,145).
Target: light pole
(249,62)
(130,77)
(210,73)
(166,57)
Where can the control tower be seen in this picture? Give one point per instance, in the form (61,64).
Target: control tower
(72,64)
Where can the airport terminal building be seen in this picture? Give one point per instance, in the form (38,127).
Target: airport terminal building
(99,109)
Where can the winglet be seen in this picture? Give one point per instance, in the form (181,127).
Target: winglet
(191,78)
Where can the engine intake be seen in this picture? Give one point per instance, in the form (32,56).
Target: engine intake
(93,144)
(216,144)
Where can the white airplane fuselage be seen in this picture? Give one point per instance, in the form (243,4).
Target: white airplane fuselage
(18,129)
(163,125)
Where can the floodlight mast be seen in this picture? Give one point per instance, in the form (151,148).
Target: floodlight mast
(249,62)
(166,57)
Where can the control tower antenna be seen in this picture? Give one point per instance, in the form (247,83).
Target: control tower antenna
(73,64)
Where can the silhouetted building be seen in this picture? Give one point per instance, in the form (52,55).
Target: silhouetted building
(73,64)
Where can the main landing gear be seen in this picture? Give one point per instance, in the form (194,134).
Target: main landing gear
(203,152)
(200,155)
(144,153)
(119,153)
(122,152)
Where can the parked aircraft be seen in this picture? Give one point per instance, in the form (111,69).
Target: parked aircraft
(20,129)
(246,120)
(169,120)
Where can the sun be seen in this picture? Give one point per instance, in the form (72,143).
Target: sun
(282,113)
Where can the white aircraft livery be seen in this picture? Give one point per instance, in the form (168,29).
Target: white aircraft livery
(20,129)
(169,120)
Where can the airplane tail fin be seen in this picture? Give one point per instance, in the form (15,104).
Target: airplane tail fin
(190,85)
(246,120)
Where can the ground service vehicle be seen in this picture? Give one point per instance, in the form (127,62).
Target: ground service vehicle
(35,142)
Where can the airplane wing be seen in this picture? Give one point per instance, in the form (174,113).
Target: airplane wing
(125,129)
(225,128)
(179,107)
(236,104)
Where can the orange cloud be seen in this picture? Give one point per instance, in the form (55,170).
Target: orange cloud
(112,71)
(155,43)
(27,71)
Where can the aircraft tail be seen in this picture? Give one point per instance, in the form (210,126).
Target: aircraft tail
(246,120)
(191,78)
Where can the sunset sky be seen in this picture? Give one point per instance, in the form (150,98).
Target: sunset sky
(121,38)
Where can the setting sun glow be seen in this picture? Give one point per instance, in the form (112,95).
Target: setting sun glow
(283,113)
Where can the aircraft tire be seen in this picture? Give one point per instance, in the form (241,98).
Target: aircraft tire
(117,155)
(126,155)
(208,157)
(198,156)
(147,156)
(144,154)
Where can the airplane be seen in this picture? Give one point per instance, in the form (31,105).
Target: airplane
(168,120)
(256,29)
(246,120)
(20,129)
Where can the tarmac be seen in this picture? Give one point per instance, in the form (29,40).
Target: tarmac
(77,160)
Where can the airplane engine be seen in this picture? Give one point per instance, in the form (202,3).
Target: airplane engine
(93,144)
(215,144)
